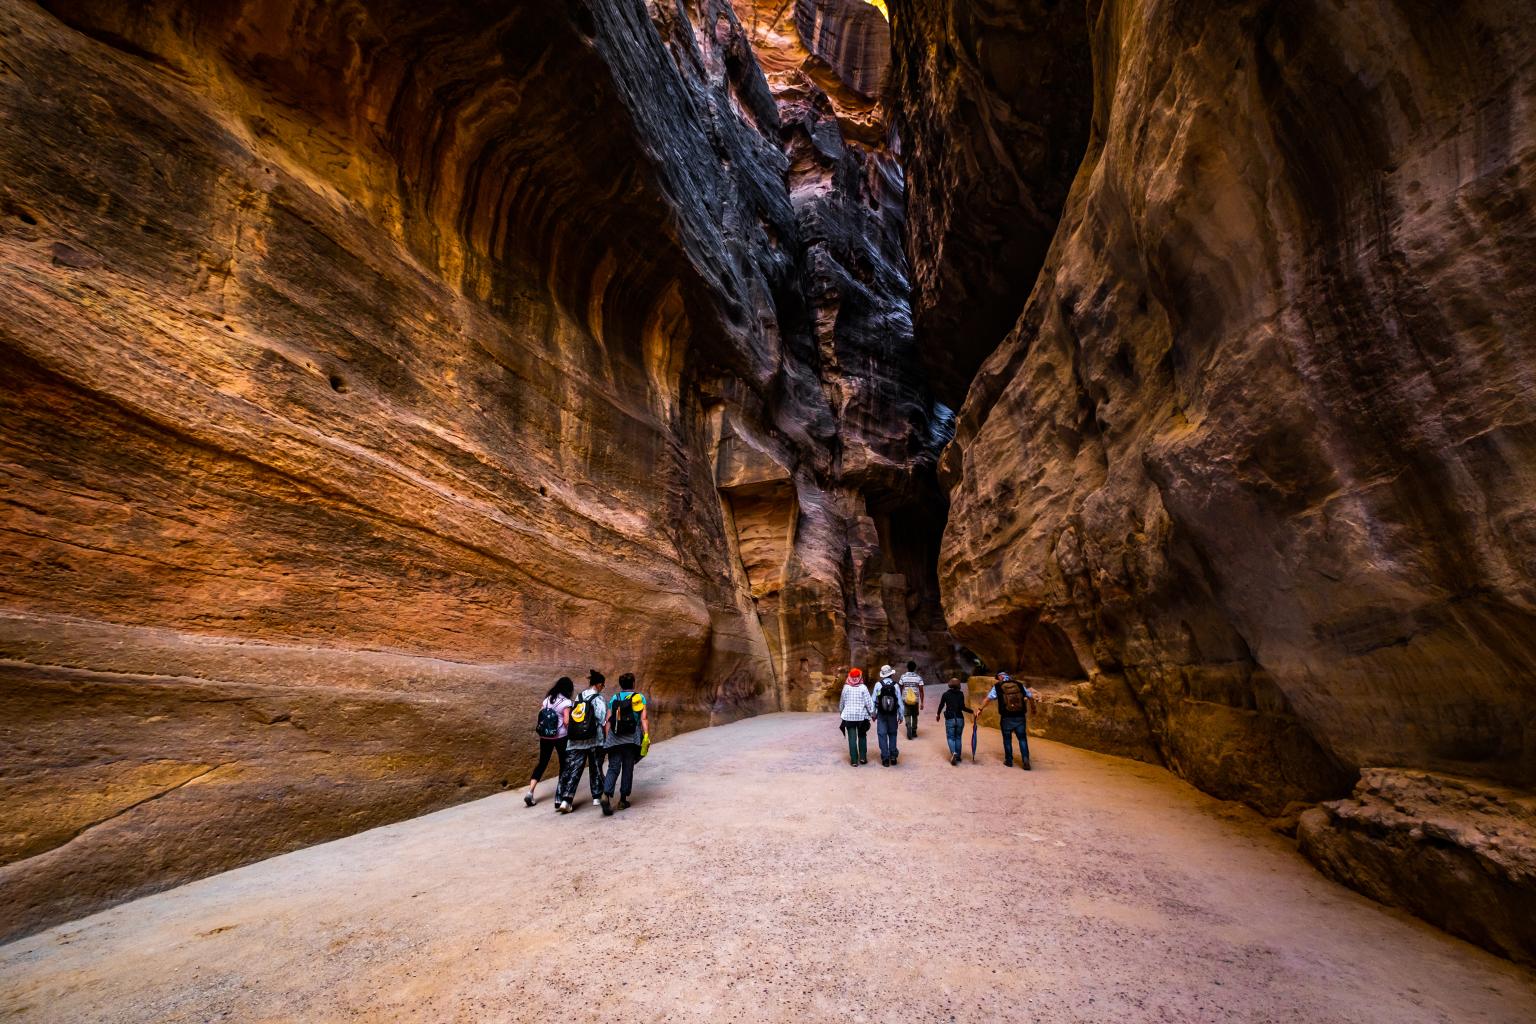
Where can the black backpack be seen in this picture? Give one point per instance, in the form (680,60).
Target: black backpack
(549,723)
(625,721)
(583,720)
(1010,698)
(888,703)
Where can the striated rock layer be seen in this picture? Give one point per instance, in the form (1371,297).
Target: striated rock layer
(368,366)
(1254,469)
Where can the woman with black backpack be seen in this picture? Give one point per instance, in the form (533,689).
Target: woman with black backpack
(553,723)
(584,744)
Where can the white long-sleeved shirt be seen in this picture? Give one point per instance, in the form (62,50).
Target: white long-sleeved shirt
(856,704)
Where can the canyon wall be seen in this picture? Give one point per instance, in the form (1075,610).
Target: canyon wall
(993,101)
(369,366)
(1252,480)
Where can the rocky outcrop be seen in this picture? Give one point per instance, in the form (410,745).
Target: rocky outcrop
(369,366)
(1255,459)
(1457,852)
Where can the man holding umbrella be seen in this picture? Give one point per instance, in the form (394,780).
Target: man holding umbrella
(1013,699)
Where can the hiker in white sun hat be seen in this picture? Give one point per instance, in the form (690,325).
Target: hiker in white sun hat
(887,697)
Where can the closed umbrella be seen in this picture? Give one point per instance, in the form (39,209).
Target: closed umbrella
(975,724)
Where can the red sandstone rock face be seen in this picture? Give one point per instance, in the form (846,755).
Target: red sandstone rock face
(368,367)
(1254,466)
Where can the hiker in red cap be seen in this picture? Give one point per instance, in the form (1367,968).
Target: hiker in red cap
(857,708)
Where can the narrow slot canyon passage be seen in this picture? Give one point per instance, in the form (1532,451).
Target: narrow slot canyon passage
(755,878)
(373,374)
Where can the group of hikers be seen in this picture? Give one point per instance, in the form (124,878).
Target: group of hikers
(891,700)
(585,731)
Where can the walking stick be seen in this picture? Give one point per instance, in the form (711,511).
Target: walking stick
(975,724)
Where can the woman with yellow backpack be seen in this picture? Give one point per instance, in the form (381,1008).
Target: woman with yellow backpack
(584,744)
(629,730)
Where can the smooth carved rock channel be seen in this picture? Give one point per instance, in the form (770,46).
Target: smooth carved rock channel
(367,366)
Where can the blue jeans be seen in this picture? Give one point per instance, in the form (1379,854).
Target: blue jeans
(621,768)
(954,732)
(1012,726)
(886,728)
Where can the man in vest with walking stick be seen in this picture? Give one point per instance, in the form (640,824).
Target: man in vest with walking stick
(1013,699)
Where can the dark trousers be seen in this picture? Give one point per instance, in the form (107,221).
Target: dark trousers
(1012,727)
(590,759)
(954,732)
(547,747)
(858,741)
(911,721)
(886,727)
(621,768)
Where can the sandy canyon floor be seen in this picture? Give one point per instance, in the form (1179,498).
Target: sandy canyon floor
(759,877)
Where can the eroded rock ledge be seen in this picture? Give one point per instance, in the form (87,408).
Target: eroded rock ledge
(368,366)
(1457,852)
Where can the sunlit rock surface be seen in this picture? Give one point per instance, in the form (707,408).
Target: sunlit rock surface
(370,366)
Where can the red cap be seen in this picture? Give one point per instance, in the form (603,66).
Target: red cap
(854,673)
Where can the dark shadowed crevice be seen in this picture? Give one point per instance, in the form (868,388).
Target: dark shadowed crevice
(994,101)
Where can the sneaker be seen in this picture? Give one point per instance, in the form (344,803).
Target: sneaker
(885,762)
(954,759)
(623,802)
(596,801)
(1026,764)
(863,760)
(1007,764)
(528,800)
(895,758)
(607,808)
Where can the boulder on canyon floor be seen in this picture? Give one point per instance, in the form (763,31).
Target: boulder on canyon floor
(1457,852)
